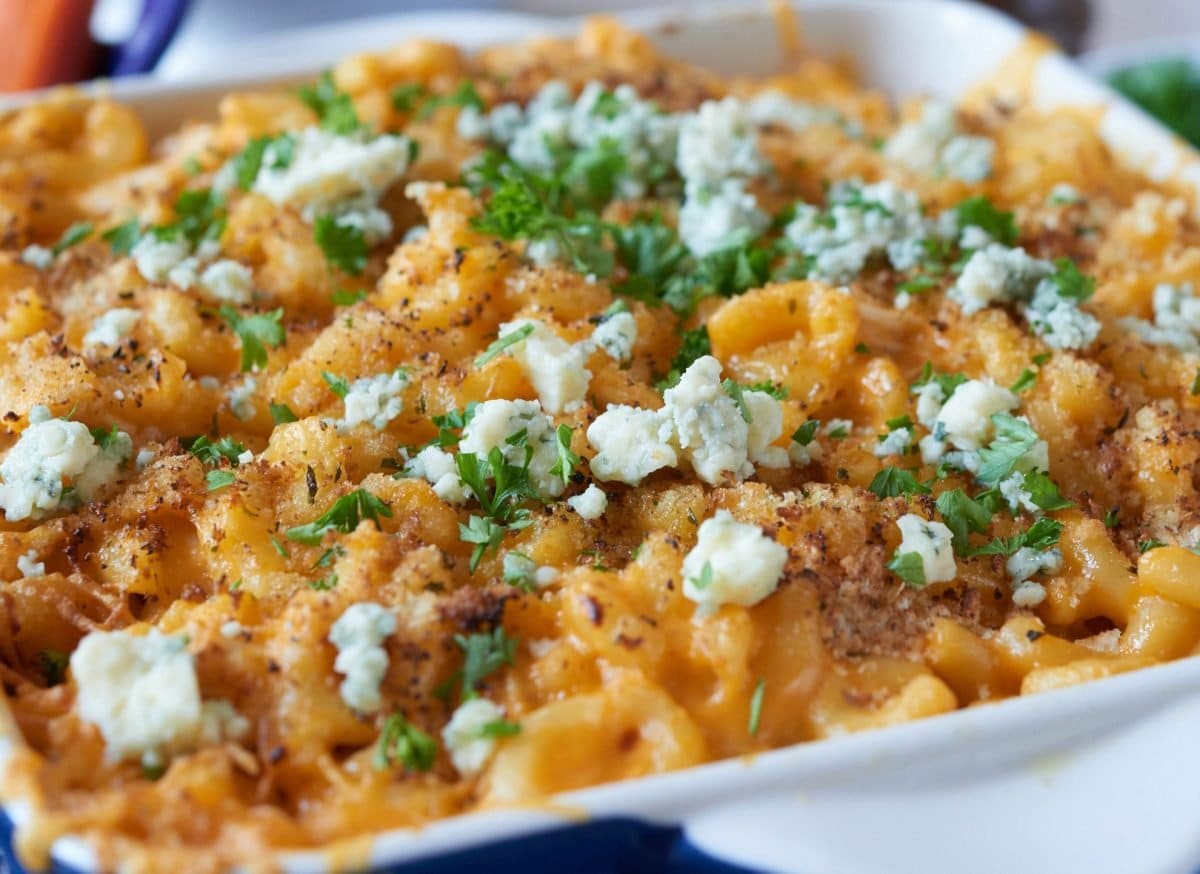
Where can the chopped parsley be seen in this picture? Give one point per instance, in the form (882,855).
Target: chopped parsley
(1070,283)
(462,96)
(982,213)
(345,297)
(892,482)
(567,460)
(219,479)
(275,152)
(1044,493)
(76,233)
(1041,535)
(211,453)
(736,392)
(122,238)
(947,382)
(756,703)
(281,414)
(500,728)
(337,384)
(1147,545)
(963,514)
(484,653)
(344,244)
(805,434)
(705,579)
(344,516)
(767,387)
(650,253)
(402,742)
(500,344)
(693,344)
(200,216)
(909,567)
(1013,439)
(406,96)
(334,108)
(501,489)
(256,331)
(1025,381)
(105,437)
(52,664)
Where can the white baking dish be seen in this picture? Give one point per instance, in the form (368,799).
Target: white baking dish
(1103,777)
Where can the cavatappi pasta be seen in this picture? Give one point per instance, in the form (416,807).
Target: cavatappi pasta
(458,431)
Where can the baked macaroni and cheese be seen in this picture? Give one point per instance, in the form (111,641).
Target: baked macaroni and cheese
(454,431)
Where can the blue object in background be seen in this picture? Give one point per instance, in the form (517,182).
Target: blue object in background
(154,27)
(607,846)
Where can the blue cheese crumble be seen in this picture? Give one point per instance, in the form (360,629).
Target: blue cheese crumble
(732,563)
(932,144)
(932,542)
(50,454)
(358,636)
(374,399)
(466,738)
(141,692)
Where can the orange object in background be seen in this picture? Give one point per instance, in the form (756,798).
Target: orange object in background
(48,41)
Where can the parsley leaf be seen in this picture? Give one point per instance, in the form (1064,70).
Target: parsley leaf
(275,152)
(200,216)
(963,514)
(908,566)
(947,382)
(705,579)
(345,297)
(982,213)
(892,482)
(405,97)
(1044,493)
(1013,439)
(1147,545)
(122,238)
(1169,89)
(767,387)
(344,516)
(1070,283)
(256,331)
(497,346)
(334,108)
(53,666)
(484,653)
(344,244)
(105,437)
(567,460)
(500,488)
(486,535)
(76,233)
(219,479)
(1041,535)
(734,390)
(211,453)
(805,434)
(281,414)
(401,741)
(499,728)
(462,96)
(756,703)
(1025,381)
(650,252)
(693,344)
(337,384)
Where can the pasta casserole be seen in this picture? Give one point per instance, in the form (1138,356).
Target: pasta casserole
(450,432)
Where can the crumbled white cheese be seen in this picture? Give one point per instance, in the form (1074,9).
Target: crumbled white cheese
(1176,318)
(717,142)
(629,446)
(519,569)
(37,256)
(232,628)
(332,173)
(465,735)
(241,398)
(590,504)
(436,466)
(155,258)
(776,108)
(839,427)
(245,457)
(546,576)
(732,563)
(142,693)
(1059,321)
(998,273)
(766,426)
(496,421)
(717,216)
(932,144)
(358,635)
(1027,562)
(616,335)
(29,566)
(227,281)
(553,366)
(1012,489)
(965,420)
(48,452)
(143,458)
(860,222)
(896,442)
(111,327)
(1028,594)
(374,399)
(932,542)
(1064,194)
(708,427)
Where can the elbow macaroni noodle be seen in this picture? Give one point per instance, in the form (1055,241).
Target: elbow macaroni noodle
(615,673)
